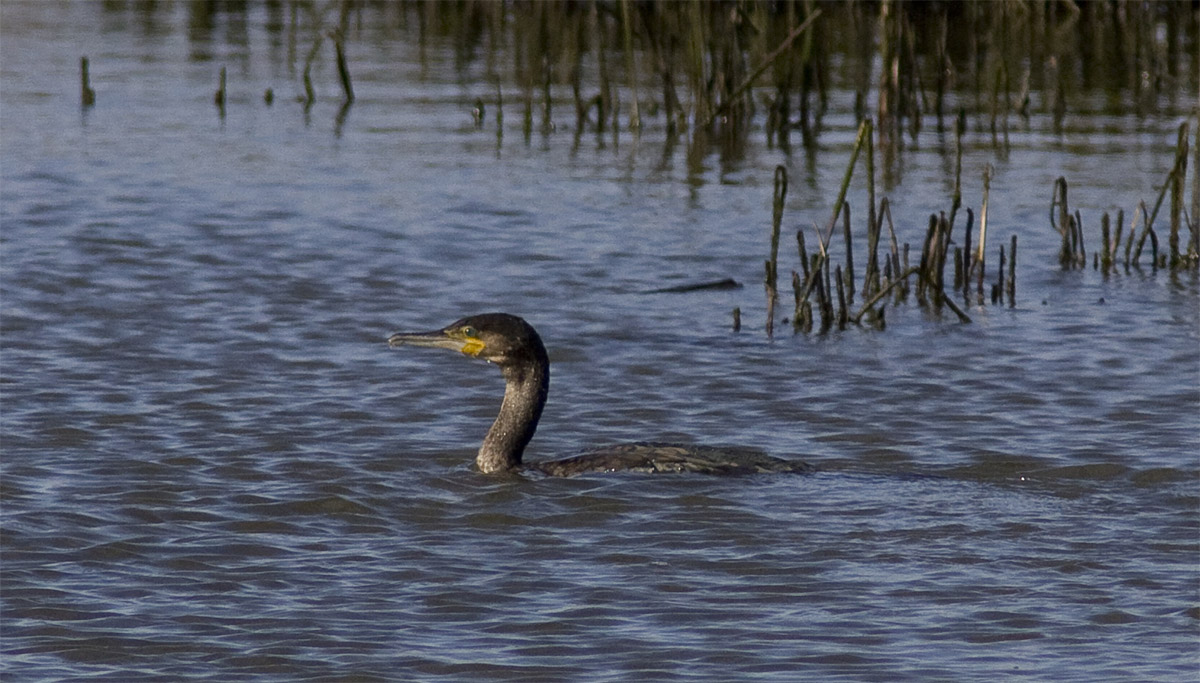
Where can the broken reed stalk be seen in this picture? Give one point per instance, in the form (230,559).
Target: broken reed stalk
(1147,231)
(1129,239)
(772,264)
(343,70)
(771,296)
(1194,225)
(1180,174)
(896,281)
(945,227)
(818,286)
(803,253)
(1062,220)
(87,96)
(841,293)
(983,220)
(885,211)
(956,202)
(998,288)
(827,273)
(1012,273)
(962,317)
(777,203)
(967,259)
(219,96)
(1081,258)
(849,253)
(1104,255)
(933,259)
(871,280)
(958,267)
(864,131)
(1174,183)
(926,264)
(871,277)
(1116,239)
(802,316)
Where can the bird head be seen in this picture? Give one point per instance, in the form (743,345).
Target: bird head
(498,338)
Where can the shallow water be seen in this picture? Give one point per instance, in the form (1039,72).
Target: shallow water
(214,468)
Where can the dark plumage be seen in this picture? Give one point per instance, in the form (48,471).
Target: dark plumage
(513,345)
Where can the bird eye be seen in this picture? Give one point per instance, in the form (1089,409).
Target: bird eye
(469,331)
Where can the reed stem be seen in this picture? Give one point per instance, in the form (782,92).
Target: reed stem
(87,96)
(219,96)
(1012,273)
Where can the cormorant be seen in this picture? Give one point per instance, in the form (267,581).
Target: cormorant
(512,344)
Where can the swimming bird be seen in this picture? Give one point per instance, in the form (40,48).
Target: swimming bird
(515,347)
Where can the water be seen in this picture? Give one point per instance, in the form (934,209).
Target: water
(214,468)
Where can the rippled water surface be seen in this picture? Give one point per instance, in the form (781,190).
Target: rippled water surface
(214,468)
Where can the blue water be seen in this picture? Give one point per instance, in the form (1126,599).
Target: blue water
(214,468)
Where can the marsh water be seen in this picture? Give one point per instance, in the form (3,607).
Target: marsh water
(214,468)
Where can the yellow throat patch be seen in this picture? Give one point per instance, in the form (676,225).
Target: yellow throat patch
(472,346)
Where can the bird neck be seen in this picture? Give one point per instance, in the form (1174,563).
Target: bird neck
(525,390)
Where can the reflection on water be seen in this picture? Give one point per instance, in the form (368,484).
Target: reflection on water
(213,466)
